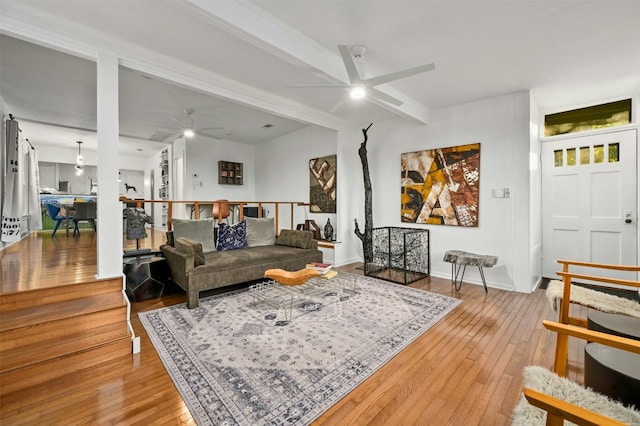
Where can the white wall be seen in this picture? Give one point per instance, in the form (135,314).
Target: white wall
(57,154)
(202,156)
(535,198)
(351,194)
(501,125)
(282,171)
(508,227)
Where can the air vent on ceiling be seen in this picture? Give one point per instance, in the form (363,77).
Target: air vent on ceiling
(160,136)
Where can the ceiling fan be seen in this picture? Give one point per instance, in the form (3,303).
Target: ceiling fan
(188,128)
(365,87)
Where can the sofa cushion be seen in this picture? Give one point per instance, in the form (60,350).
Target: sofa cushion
(251,256)
(200,230)
(260,231)
(295,238)
(232,237)
(192,248)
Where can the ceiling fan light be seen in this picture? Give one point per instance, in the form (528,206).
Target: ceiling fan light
(358,92)
(188,133)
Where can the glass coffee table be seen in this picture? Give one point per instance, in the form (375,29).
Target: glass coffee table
(308,297)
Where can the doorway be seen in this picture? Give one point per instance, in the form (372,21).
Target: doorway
(589,201)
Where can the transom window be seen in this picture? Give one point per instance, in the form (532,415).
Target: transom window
(590,118)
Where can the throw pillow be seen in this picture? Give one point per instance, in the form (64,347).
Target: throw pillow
(295,238)
(200,230)
(170,239)
(192,248)
(260,232)
(231,237)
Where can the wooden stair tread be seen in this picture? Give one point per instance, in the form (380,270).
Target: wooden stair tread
(49,348)
(61,328)
(63,385)
(55,311)
(15,380)
(43,296)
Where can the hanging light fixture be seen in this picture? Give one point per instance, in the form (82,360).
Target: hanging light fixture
(79,161)
(188,124)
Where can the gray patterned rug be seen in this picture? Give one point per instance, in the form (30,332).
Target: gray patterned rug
(242,360)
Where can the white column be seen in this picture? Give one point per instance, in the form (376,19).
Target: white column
(109,207)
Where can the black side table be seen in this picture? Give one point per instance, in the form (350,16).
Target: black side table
(147,278)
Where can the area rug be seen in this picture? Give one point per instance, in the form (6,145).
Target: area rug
(241,360)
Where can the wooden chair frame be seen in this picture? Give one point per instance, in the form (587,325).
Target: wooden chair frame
(562,342)
(559,410)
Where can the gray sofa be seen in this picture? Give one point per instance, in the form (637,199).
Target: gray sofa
(196,271)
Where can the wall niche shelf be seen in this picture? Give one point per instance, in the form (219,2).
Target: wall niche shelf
(230,173)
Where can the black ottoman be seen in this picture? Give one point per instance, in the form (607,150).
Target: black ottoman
(147,278)
(613,372)
(619,325)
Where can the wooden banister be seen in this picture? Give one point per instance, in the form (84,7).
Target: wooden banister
(240,204)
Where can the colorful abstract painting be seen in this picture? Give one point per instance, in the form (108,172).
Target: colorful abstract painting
(441,186)
(322,185)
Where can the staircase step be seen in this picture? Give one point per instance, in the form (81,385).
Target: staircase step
(57,391)
(24,336)
(44,296)
(21,378)
(53,347)
(34,315)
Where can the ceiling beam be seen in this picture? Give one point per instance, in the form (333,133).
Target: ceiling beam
(247,21)
(22,21)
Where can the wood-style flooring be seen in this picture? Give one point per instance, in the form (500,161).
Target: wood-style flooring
(466,370)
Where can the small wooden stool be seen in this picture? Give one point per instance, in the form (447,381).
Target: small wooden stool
(460,259)
(291,278)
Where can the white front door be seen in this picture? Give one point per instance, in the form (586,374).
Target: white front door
(589,199)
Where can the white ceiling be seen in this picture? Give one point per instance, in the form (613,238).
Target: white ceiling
(234,60)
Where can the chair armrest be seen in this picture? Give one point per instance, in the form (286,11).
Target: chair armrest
(618,342)
(180,265)
(631,268)
(566,410)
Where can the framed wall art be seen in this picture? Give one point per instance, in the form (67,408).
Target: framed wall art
(322,185)
(441,186)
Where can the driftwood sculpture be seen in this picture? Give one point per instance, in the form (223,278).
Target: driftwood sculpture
(367,236)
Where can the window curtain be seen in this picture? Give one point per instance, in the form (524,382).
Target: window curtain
(11,202)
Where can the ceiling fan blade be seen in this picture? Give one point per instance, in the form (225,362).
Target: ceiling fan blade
(207,135)
(374,81)
(339,86)
(201,129)
(349,64)
(173,138)
(338,104)
(384,97)
(177,121)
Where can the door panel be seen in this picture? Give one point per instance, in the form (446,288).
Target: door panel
(588,183)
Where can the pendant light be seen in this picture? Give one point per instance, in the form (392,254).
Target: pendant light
(79,160)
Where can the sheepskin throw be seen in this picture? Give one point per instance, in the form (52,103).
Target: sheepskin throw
(542,380)
(593,299)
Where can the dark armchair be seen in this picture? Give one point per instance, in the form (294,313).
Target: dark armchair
(83,212)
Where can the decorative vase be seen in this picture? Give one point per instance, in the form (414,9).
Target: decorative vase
(328,231)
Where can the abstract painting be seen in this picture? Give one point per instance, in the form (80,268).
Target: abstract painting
(441,186)
(322,184)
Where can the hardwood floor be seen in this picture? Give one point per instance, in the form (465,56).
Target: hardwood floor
(466,370)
